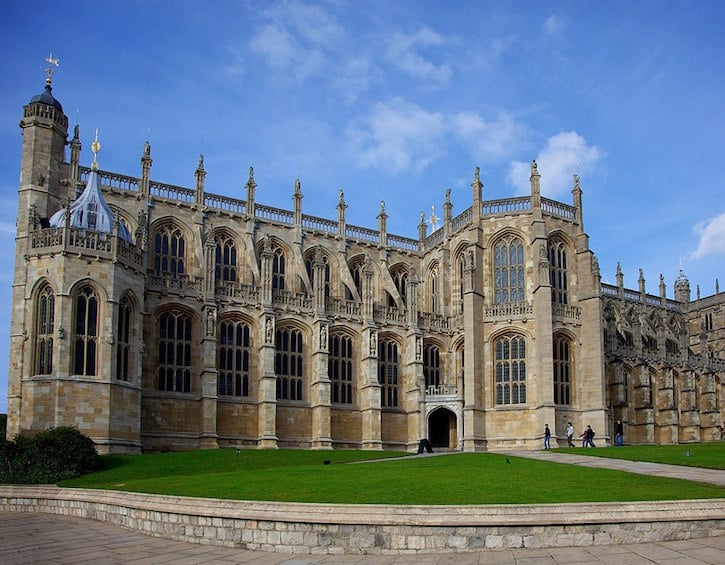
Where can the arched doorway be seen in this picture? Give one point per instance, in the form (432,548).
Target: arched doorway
(442,431)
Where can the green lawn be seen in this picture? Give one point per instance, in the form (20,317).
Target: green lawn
(302,476)
(710,455)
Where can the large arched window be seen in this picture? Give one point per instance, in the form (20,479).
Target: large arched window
(432,365)
(400,279)
(388,373)
(278,269)
(310,268)
(174,366)
(234,355)
(86,332)
(44,327)
(562,370)
(169,251)
(433,289)
(225,263)
(123,339)
(508,264)
(288,363)
(558,265)
(510,353)
(339,368)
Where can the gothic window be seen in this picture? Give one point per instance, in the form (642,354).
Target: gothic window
(225,263)
(288,364)
(357,277)
(278,269)
(558,265)
(310,268)
(510,352)
(432,365)
(400,279)
(707,324)
(123,339)
(174,366)
(86,332)
(234,355)
(508,264)
(562,370)
(388,373)
(44,327)
(433,289)
(460,264)
(339,368)
(169,251)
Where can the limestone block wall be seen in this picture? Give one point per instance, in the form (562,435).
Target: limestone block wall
(376,529)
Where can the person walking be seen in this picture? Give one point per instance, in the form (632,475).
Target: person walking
(547,437)
(619,434)
(569,434)
(589,437)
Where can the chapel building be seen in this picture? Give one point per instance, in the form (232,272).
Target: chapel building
(156,317)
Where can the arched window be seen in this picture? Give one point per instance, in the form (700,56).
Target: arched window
(234,356)
(288,364)
(339,368)
(86,332)
(44,328)
(356,270)
(433,289)
(562,370)
(123,339)
(400,278)
(278,269)
(432,365)
(225,263)
(388,373)
(558,265)
(169,251)
(510,352)
(310,268)
(174,366)
(460,270)
(508,264)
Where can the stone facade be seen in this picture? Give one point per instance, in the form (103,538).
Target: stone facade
(224,322)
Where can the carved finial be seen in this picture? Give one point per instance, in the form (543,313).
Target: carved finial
(49,69)
(382,206)
(146,149)
(534,168)
(298,186)
(477,175)
(95,147)
(433,218)
(448,196)
(201,163)
(576,182)
(251,173)
(341,197)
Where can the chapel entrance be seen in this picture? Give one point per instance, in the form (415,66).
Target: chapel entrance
(442,429)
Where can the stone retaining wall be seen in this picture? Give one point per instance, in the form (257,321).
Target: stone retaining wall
(375,529)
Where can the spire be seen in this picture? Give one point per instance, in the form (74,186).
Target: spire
(535,180)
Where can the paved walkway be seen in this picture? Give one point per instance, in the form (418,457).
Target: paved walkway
(28,538)
(571,457)
(49,539)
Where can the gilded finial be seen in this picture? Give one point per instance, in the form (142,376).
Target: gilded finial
(49,69)
(95,147)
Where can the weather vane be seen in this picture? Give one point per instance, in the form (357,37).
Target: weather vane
(95,147)
(49,69)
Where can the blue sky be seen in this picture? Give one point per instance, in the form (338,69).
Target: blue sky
(398,101)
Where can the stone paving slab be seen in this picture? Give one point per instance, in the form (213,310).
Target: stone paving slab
(31,538)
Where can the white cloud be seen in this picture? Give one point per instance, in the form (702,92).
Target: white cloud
(405,53)
(295,37)
(712,237)
(488,141)
(396,136)
(565,154)
(554,25)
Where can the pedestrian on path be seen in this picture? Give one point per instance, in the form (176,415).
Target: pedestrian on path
(547,437)
(569,435)
(589,437)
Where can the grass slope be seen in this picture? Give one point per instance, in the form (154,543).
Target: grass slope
(710,455)
(301,476)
